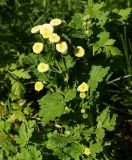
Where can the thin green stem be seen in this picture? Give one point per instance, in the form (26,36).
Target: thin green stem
(29,82)
(55,70)
(105,156)
(58,66)
(126,55)
(118,79)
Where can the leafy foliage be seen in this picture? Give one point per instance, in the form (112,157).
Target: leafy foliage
(21,74)
(70,95)
(66,117)
(52,106)
(25,133)
(30,153)
(105,121)
(123,13)
(96,75)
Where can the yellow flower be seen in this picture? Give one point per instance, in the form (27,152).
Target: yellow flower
(79,51)
(38,86)
(35,29)
(37,47)
(83,87)
(46,30)
(55,22)
(43,67)
(61,47)
(87,151)
(82,95)
(54,38)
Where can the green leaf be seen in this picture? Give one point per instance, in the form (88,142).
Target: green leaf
(88,133)
(19,115)
(95,10)
(1,154)
(102,117)
(57,143)
(18,88)
(95,148)
(77,21)
(24,154)
(34,153)
(69,62)
(104,120)
(21,74)
(104,39)
(109,42)
(124,13)
(105,43)
(100,134)
(25,133)
(74,150)
(51,106)
(96,75)
(30,153)
(13,66)
(110,124)
(8,147)
(111,50)
(22,138)
(70,94)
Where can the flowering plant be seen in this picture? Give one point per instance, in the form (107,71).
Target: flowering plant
(54,108)
(69,81)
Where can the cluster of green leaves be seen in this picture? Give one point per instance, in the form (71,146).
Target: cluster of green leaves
(18,143)
(56,123)
(73,141)
(93,22)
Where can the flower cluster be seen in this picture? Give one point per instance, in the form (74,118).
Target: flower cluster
(47,31)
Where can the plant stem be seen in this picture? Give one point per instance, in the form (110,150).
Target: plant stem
(126,55)
(119,78)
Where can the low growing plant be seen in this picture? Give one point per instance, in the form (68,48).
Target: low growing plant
(53,109)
